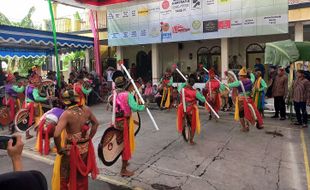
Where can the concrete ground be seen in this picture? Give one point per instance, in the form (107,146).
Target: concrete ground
(223,158)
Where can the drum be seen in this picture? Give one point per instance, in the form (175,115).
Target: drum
(111,145)
(186,132)
(21,120)
(5,116)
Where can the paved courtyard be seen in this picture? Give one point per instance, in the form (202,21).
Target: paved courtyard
(223,158)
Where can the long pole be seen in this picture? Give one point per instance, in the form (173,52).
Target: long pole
(55,42)
(139,95)
(214,112)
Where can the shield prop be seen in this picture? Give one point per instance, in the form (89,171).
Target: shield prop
(111,145)
(5,116)
(48,89)
(186,132)
(254,122)
(21,120)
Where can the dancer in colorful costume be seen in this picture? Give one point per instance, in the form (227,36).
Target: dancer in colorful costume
(11,91)
(46,129)
(33,101)
(245,108)
(166,85)
(213,95)
(189,95)
(80,90)
(75,153)
(124,106)
(259,92)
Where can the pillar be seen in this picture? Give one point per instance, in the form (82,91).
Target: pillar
(87,62)
(299,32)
(224,56)
(119,56)
(155,63)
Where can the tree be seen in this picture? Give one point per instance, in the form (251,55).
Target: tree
(73,56)
(4,20)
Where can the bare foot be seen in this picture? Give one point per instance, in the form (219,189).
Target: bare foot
(126,173)
(192,143)
(246,129)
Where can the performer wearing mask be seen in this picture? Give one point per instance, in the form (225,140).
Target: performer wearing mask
(125,105)
(33,101)
(213,95)
(259,92)
(244,101)
(80,90)
(166,85)
(11,90)
(75,151)
(189,95)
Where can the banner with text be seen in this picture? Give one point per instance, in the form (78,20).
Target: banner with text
(184,20)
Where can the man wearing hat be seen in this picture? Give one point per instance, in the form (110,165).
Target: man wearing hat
(213,95)
(243,110)
(189,95)
(75,151)
(279,93)
(125,105)
(11,99)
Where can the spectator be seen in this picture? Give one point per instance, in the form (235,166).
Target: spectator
(271,76)
(133,71)
(301,95)
(234,64)
(148,93)
(19,179)
(259,66)
(188,71)
(279,92)
(71,79)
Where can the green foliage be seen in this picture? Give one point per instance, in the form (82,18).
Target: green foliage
(4,20)
(73,56)
(77,16)
(24,64)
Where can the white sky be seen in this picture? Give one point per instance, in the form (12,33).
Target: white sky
(16,10)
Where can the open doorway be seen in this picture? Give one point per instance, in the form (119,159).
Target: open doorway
(144,65)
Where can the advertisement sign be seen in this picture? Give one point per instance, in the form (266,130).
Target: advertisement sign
(184,20)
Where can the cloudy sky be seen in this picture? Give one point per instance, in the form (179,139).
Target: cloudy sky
(15,10)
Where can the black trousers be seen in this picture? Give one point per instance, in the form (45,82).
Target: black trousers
(301,106)
(279,106)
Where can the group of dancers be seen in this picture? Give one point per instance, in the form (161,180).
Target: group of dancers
(73,125)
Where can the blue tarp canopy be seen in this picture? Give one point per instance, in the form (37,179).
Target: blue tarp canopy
(23,42)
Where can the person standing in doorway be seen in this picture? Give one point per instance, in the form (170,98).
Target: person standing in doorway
(301,95)
(259,67)
(279,92)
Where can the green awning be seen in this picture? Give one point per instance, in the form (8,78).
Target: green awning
(281,53)
(304,50)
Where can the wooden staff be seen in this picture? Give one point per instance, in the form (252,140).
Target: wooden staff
(139,95)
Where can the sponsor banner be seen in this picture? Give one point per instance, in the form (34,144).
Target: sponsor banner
(183,20)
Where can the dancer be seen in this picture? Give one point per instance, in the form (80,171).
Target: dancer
(81,90)
(259,92)
(213,95)
(245,108)
(166,85)
(125,105)
(11,90)
(190,114)
(33,101)
(46,129)
(76,156)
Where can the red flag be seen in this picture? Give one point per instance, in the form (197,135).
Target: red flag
(101,2)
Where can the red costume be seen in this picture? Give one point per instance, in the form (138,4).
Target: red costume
(213,95)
